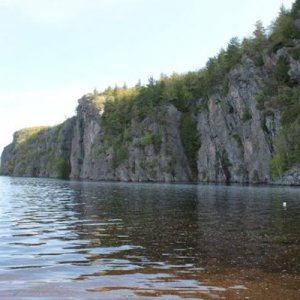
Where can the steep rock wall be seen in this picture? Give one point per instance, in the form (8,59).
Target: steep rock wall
(90,159)
(236,147)
(39,152)
(238,138)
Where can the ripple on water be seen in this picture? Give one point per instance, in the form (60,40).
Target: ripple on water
(81,240)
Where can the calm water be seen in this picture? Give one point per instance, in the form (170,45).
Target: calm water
(84,240)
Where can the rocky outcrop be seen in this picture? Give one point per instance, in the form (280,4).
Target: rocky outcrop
(92,159)
(291,177)
(236,138)
(39,152)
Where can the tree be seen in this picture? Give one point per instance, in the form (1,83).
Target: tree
(259,32)
(139,84)
(284,28)
(281,71)
(151,82)
(295,11)
(233,53)
(255,45)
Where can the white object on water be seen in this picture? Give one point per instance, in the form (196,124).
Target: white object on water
(284,204)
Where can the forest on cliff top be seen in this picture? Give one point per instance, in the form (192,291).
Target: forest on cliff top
(190,93)
(122,105)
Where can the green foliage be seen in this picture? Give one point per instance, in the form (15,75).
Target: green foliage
(260,35)
(119,156)
(118,112)
(279,96)
(190,138)
(147,139)
(39,150)
(62,167)
(122,105)
(214,78)
(233,54)
(275,94)
(116,121)
(263,124)
(291,111)
(27,134)
(127,108)
(295,11)
(281,71)
(287,144)
(295,52)
(157,141)
(179,90)
(284,29)
(154,139)
(246,115)
(277,166)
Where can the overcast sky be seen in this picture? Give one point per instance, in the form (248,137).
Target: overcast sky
(54,51)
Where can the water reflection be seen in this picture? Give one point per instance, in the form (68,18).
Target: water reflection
(116,240)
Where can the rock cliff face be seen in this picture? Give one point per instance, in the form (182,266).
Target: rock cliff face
(90,159)
(234,138)
(39,151)
(235,145)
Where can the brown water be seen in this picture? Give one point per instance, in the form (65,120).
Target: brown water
(84,240)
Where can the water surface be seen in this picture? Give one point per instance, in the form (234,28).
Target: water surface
(87,240)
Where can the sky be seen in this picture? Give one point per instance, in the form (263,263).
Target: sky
(52,52)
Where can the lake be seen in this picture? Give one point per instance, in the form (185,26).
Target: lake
(91,240)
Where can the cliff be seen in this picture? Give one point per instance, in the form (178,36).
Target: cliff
(137,157)
(39,152)
(236,120)
(235,145)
